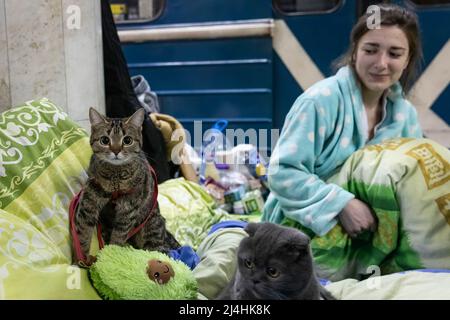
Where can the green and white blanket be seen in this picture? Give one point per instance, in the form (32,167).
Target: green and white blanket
(407,183)
(190,212)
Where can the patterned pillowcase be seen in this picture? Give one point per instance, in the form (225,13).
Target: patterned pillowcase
(43,156)
(32,137)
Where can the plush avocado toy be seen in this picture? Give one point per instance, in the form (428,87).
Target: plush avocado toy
(125,273)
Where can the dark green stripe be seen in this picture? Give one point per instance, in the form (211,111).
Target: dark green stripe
(376,195)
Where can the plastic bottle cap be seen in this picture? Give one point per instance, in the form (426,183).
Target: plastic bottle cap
(222,166)
(260,170)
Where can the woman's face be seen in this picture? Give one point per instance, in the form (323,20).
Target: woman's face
(380,58)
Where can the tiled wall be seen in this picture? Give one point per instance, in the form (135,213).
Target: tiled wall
(43,53)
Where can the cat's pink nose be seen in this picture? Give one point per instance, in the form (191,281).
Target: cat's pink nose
(116,151)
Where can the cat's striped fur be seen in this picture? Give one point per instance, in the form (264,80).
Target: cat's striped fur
(118,164)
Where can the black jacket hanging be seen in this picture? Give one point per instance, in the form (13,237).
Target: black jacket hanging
(121,101)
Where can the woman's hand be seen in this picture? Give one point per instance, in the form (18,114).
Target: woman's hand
(357,217)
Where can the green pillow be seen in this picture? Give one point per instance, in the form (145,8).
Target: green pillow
(43,157)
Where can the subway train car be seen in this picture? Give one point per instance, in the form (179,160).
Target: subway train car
(247,61)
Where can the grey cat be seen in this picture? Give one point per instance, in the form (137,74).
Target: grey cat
(119,191)
(274,263)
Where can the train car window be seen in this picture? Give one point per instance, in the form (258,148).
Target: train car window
(295,7)
(136,10)
(430,3)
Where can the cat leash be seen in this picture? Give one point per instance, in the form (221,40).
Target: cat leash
(81,258)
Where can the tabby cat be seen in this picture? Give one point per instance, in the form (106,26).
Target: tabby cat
(274,263)
(118,193)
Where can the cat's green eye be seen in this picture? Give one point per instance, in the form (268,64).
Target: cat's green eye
(104,140)
(272,272)
(128,141)
(248,263)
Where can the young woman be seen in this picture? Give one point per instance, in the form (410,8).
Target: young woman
(364,103)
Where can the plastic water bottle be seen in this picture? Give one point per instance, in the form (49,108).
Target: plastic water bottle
(214,139)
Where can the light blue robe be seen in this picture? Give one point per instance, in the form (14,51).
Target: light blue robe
(326,124)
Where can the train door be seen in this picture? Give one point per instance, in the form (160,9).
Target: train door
(206,60)
(247,61)
(431,92)
(309,35)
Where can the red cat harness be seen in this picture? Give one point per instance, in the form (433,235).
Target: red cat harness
(114,196)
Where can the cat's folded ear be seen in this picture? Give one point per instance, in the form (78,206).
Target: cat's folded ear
(137,118)
(297,242)
(95,117)
(251,228)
